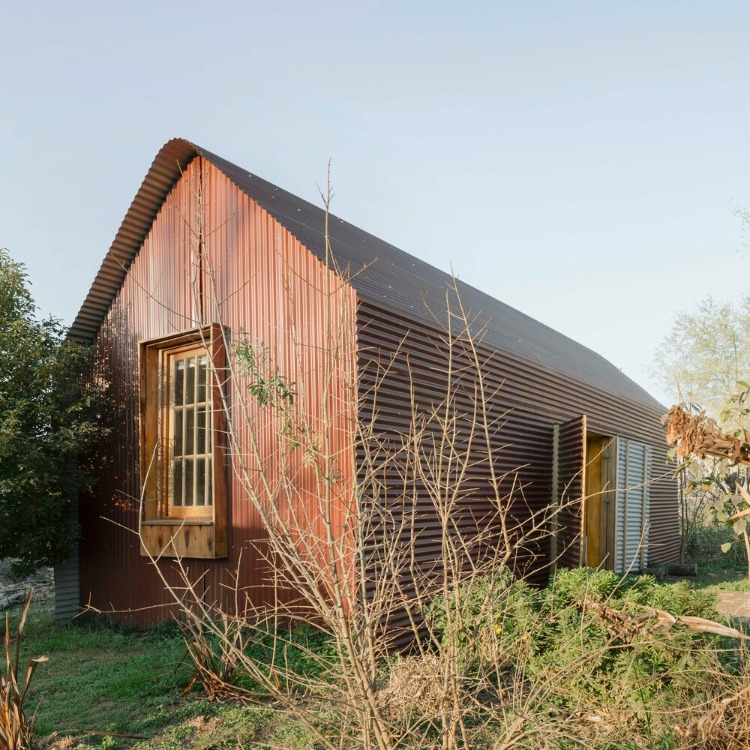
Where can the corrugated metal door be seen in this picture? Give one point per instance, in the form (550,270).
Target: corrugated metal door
(632,509)
(571,483)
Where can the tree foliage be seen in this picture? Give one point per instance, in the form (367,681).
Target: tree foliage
(705,362)
(706,355)
(47,421)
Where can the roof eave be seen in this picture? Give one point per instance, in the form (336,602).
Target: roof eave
(165,171)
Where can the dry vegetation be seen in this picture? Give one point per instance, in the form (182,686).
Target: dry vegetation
(16,726)
(585,663)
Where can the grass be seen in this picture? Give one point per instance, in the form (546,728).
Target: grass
(107,679)
(717,570)
(720,573)
(104,679)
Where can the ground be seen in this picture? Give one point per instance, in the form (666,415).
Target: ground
(103,682)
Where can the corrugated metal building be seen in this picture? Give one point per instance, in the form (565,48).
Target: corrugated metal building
(570,425)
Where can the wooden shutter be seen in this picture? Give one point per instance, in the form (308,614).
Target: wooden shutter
(570,476)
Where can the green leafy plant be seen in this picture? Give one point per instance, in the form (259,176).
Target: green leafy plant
(265,384)
(48,420)
(594,635)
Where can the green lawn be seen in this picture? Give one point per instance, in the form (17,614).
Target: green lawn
(101,678)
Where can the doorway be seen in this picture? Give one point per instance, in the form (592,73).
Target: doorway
(599,508)
(601,496)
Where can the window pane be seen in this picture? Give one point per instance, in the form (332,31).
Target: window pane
(210,492)
(190,440)
(202,379)
(178,416)
(177,482)
(189,432)
(201,430)
(190,381)
(188,482)
(179,382)
(200,482)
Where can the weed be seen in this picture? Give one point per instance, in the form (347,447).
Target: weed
(16,728)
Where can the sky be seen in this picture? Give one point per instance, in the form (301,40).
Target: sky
(581,161)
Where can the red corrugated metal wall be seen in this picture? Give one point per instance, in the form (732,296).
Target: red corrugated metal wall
(258,281)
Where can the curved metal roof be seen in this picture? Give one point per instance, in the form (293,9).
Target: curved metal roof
(381,273)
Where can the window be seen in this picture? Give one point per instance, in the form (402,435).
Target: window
(189,439)
(182,444)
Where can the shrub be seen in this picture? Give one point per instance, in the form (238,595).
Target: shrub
(48,420)
(488,611)
(591,634)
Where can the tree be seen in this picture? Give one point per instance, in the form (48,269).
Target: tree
(704,362)
(706,354)
(47,420)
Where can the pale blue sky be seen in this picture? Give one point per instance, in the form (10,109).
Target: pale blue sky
(577,160)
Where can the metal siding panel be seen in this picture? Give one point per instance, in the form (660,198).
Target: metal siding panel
(67,589)
(634,488)
(380,272)
(620,506)
(664,534)
(572,481)
(267,284)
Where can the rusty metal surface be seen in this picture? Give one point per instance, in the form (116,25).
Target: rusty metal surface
(572,483)
(529,400)
(269,288)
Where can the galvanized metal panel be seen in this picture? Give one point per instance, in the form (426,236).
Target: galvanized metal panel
(632,510)
(67,589)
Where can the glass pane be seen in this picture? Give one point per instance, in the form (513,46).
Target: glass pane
(190,381)
(189,432)
(209,434)
(179,381)
(177,482)
(200,482)
(202,376)
(188,482)
(201,430)
(177,437)
(210,483)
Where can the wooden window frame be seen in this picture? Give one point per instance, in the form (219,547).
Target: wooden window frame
(168,506)
(166,530)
